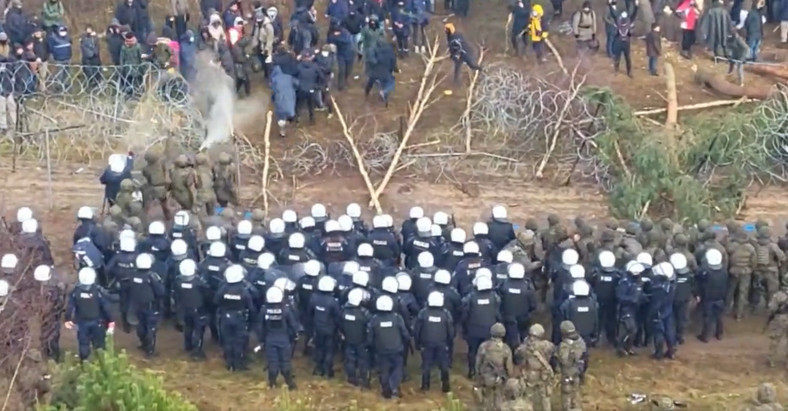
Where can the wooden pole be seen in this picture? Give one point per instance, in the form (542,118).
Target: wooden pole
(49,171)
(267,161)
(466,115)
(670,80)
(718,103)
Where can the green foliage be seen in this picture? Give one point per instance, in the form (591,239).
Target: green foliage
(108,382)
(453,404)
(286,401)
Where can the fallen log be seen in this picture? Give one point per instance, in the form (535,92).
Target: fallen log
(673,113)
(717,103)
(775,71)
(718,83)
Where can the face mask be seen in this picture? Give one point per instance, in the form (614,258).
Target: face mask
(324,53)
(191,39)
(586,10)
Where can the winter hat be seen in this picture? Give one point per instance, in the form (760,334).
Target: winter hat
(114,22)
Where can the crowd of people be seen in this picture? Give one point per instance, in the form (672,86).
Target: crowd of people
(378,293)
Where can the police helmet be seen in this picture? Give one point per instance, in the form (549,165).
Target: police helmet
(289,216)
(499,213)
(276,226)
(440,218)
(516,271)
(244,228)
(350,268)
(353,210)
(345,223)
(378,221)
(281,283)
(8,262)
(234,274)
(480,228)
(423,225)
(156,228)
(256,243)
(645,259)
(679,261)
(713,258)
(127,244)
(365,250)
(416,212)
(4,288)
(312,268)
(457,235)
(274,295)
(470,248)
(307,222)
(384,303)
(332,226)
(144,261)
(577,272)
(187,267)
(389,220)
(389,285)
(607,259)
(436,230)
(318,211)
(87,276)
(296,240)
(128,234)
(504,256)
(580,288)
(361,278)
(213,233)
(569,257)
(117,163)
(179,247)
(23,214)
(42,273)
(536,331)
(404,282)
(435,299)
(665,269)
(30,226)
(483,283)
(181,218)
(84,213)
(355,296)
(483,272)
(265,260)
(635,268)
(217,249)
(442,277)
(326,284)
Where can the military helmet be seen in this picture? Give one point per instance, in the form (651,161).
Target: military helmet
(666,224)
(525,237)
(110,225)
(632,229)
(115,210)
(646,224)
(258,215)
(536,331)
(181,161)
(201,159)
(681,240)
(553,220)
(151,156)
(227,212)
(135,207)
(498,330)
(766,393)
(126,185)
(532,224)
(135,223)
(608,235)
(764,232)
(225,158)
(568,328)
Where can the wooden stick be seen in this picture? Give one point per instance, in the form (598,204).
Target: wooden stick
(267,159)
(557,56)
(621,159)
(422,98)
(466,115)
(718,103)
(16,373)
(557,132)
(49,171)
(359,160)
(428,143)
(673,114)
(475,153)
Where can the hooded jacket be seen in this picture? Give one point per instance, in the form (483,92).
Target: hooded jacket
(284,89)
(60,47)
(187,55)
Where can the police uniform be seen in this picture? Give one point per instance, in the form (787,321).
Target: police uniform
(233,304)
(433,335)
(146,290)
(88,308)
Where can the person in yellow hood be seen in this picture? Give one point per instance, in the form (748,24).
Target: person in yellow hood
(459,50)
(538,31)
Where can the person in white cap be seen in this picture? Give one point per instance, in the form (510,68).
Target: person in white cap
(234,306)
(385,244)
(33,241)
(22,214)
(409,225)
(421,240)
(146,294)
(191,293)
(118,169)
(88,309)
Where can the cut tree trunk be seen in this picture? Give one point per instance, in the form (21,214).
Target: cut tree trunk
(718,83)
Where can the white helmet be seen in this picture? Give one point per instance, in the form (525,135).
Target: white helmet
(577,272)
(213,233)
(713,258)
(42,273)
(84,213)
(24,213)
(423,225)
(436,230)
(365,250)
(355,296)
(404,282)
(425,259)
(345,223)
(435,299)
(127,234)
(484,283)
(4,288)
(296,240)
(144,261)
(187,267)
(307,222)
(442,277)
(332,226)
(471,247)
(457,235)
(607,259)
(384,303)
(350,268)
(635,268)
(217,249)
(127,244)
(8,262)
(379,221)
(569,257)
(483,272)
(244,227)
(289,216)
(516,271)
(416,212)
(181,218)
(499,213)
(480,228)
(234,274)
(156,228)
(30,226)
(326,284)
(623,15)
(318,211)
(274,295)
(389,220)
(440,218)
(361,278)
(312,268)
(389,285)
(664,269)
(645,259)
(256,243)
(265,260)
(580,288)
(276,226)
(117,163)
(281,283)
(353,210)
(504,256)
(87,276)
(679,261)
(179,247)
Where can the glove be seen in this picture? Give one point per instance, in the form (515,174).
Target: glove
(257,349)
(111,328)
(69,325)
(269,59)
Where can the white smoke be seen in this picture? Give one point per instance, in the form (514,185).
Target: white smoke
(214,93)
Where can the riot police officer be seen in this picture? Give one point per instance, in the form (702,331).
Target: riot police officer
(318,212)
(452,251)
(501,268)
(212,269)
(629,293)
(53,290)
(88,229)
(419,242)
(191,293)
(486,246)
(713,281)
(660,312)
(305,288)
(276,238)
(295,252)
(387,334)
(605,279)
(240,239)
(518,302)
(423,276)
(409,226)
(324,312)
(465,271)
(290,220)
(120,269)
(582,310)
(213,234)
(433,335)
(333,246)
(353,210)
(501,230)
(146,291)
(234,304)
(254,247)
(353,329)
(480,310)
(685,287)
(278,327)
(157,243)
(367,263)
(88,308)
(182,231)
(384,243)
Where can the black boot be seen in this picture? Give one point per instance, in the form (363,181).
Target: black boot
(290,381)
(445,387)
(425,382)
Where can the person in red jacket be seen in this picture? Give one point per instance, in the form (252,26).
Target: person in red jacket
(689,13)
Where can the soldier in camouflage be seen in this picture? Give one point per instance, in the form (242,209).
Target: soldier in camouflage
(225,181)
(535,354)
(646,227)
(630,245)
(777,326)
(494,367)
(769,258)
(125,197)
(514,397)
(743,260)
(158,183)
(668,227)
(115,215)
(548,235)
(137,210)
(135,224)
(766,399)
(585,244)
(527,250)
(571,363)
(183,183)
(258,221)
(652,246)
(681,246)
(205,197)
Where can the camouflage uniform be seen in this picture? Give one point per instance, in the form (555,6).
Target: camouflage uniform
(494,365)
(766,399)
(137,210)
(653,240)
(535,354)
(115,215)
(527,250)
(646,227)
(183,183)
(769,258)
(225,181)
(585,244)
(681,243)
(668,228)
(549,235)
(205,198)
(513,393)
(125,197)
(135,223)
(777,328)
(229,220)
(571,363)
(607,242)
(630,245)
(258,221)
(157,183)
(743,259)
